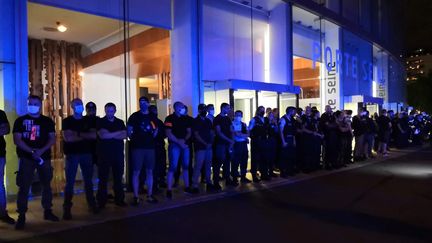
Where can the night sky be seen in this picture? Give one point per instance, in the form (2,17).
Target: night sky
(418,24)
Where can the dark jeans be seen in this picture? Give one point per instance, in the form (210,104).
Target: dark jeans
(288,159)
(259,156)
(2,187)
(117,168)
(24,181)
(159,171)
(86,164)
(222,159)
(240,158)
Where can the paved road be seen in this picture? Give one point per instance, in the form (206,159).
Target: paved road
(390,201)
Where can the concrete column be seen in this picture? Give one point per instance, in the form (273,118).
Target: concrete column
(13,74)
(186,86)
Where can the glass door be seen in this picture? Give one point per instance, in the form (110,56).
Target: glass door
(245,100)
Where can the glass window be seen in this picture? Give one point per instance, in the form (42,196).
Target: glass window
(250,38)
(316,60)
(380,74)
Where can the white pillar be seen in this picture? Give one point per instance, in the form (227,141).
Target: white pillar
(186,86)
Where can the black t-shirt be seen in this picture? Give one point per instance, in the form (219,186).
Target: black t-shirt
(383,123)
(143,128)
(160,136)
(204,128)
(3,120)
(178,125)
(225,124)
(92,122)
(110,149)
(35,133)
(77,125)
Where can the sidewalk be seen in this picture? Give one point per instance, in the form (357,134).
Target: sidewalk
(82,217)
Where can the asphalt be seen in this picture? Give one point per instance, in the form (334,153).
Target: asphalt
(387,201)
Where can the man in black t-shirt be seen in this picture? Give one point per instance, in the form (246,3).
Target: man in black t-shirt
(224,145)
(203,143)
(34,134)
(77,148)
(110,152)
(287,130)
(4,130)
(178,131)
(258,128)
(142,130)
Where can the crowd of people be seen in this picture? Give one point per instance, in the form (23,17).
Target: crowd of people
(205,149)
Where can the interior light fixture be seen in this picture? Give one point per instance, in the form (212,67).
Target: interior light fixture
(61,27)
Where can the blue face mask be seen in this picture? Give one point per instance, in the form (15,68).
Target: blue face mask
(33,109)
(79,109)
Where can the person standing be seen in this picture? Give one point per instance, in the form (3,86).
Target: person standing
(272,143)
(34,135)
(110,152)
(142,130)
(287,132)
(359,125)
(203,143)
(240,153)
(258,128)
(223,148)
(159,171)
(308,139)
(4,130)
(384,132)
(210,112)
(178,131)
(344,138)
(77,148)
(91,117)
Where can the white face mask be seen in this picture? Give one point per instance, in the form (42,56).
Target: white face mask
(238,118)
(33,109)
(79,109)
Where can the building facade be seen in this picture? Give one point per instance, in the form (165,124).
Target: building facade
(273,53)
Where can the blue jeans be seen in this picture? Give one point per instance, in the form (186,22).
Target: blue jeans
(174,153)
(202,160)
(2,187)
(86,164)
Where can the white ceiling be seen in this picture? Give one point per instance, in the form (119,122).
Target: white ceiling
(92,31)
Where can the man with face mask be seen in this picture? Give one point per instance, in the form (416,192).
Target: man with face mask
(178,131)
(191,152)
(34,135)
(258,128)
(77,148)
(240,149)
(142,130)
(360,125)
(4,130)
(110,151)
(203,143)
(288,131)
(224,144)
